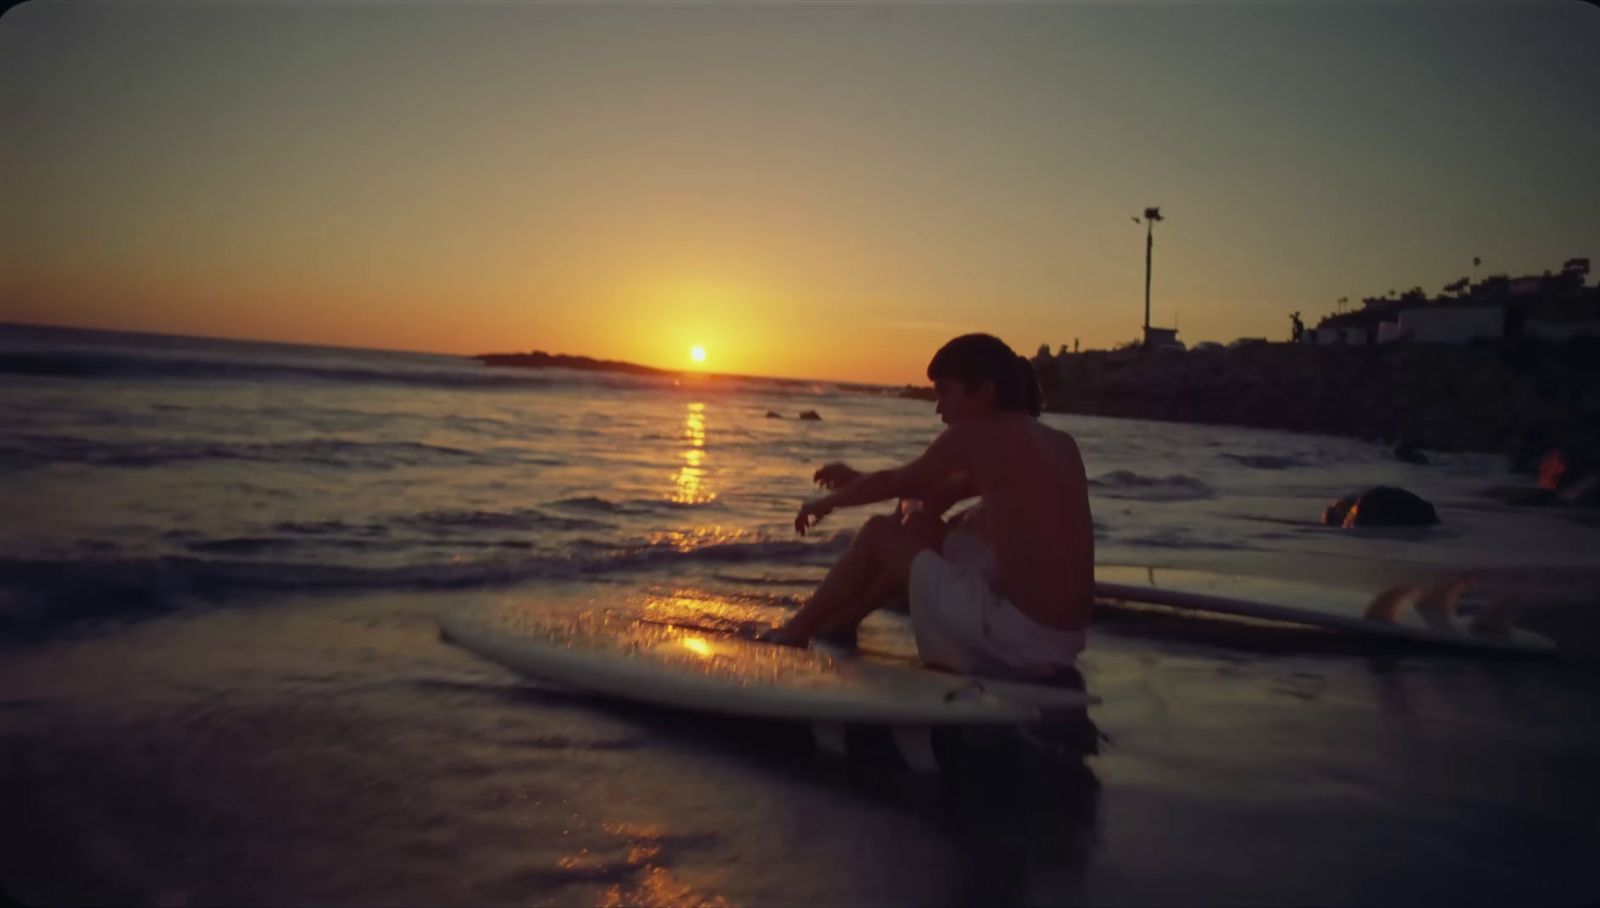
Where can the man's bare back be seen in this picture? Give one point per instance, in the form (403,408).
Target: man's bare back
(1035,516)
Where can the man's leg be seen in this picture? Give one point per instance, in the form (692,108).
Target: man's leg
(877,563)
(842,627)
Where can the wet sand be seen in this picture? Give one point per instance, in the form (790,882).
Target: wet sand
(334,751)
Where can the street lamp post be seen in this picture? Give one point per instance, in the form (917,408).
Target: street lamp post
(1151,215)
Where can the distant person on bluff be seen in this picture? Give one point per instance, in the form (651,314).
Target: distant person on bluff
(1005,589)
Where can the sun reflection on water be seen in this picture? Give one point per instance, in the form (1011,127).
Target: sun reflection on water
(689,484)
(638,862)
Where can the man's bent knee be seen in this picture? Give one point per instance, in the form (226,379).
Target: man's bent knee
(880,533)
(879,526)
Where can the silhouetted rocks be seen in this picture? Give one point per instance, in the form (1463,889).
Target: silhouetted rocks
(1519,400)
(1381,506)
(774,415)
(1567,474)
(810,415)
(538,359)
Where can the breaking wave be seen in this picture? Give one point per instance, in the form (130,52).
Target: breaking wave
(25,451)
(1129,485)
(1265,461)
(43,595)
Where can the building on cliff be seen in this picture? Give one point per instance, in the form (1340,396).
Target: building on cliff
(1161,339)
(1549,307)
(1446,323)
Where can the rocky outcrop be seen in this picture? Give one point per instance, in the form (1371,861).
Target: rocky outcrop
(810,415)
(1381,506)
(1518,400)
(538,359)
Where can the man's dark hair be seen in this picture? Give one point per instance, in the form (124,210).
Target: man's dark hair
(975,358)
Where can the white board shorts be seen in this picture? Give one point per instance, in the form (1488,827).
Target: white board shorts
(964,624)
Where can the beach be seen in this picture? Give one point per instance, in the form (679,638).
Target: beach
(221,678)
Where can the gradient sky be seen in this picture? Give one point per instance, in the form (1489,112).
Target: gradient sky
(812,189)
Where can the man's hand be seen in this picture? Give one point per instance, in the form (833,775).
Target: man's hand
(811,513)
(835,475)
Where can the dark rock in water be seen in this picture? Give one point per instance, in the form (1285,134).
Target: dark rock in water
(1410,453)
(773,415)
(1381,506)
(810,414)
(1571,470)
(1553,469)
(1526,451)
(1334,514)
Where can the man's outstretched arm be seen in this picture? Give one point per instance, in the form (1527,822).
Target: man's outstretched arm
(917,479)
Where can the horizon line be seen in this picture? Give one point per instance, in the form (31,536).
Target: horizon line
(465,356)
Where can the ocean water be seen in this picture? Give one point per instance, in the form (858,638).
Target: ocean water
(220,681)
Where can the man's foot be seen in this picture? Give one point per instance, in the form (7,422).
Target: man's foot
(782,636)
(844,636)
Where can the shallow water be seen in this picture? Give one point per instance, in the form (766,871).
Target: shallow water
(221,679)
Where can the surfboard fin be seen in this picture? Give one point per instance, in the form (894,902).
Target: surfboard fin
(1386,605)
(1438,606)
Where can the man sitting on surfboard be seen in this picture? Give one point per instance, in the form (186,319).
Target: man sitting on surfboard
(1008,590)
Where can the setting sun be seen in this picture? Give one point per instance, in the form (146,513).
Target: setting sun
(697,353)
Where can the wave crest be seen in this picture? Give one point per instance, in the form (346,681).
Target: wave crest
(42,596)
(41,450)
(1265,461)
(1127,484)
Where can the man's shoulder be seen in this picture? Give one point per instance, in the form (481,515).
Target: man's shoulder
(1060,439)
(986,431)
(1053,432)
(1062,435)
(1067,440)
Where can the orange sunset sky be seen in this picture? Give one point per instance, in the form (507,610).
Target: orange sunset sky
(825,190)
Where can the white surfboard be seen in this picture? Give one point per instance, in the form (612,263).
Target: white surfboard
(1409,613)
(625,658)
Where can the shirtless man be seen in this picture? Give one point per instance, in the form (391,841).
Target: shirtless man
(1008,591)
